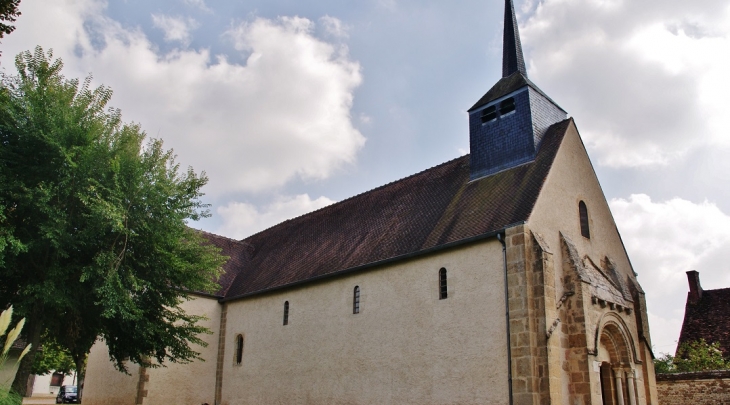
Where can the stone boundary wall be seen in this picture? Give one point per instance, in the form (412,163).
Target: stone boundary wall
(697,388)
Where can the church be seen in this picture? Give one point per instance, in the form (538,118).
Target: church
(498,277)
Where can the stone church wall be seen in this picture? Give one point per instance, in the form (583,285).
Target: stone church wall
(192,383)
(104,384)
(699,388)
(406,346)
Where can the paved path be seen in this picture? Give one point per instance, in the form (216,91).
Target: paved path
(45,399)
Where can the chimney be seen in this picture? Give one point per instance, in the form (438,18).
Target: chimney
(695,289)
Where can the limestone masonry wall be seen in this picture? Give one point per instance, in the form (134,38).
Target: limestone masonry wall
(698,388)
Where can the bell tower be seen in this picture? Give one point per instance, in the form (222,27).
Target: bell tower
(507,124)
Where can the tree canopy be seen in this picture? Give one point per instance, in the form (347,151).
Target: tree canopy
(52,357)
(94,241)
(693,356)
(8,12)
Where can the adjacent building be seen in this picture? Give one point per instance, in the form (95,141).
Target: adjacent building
(706,315)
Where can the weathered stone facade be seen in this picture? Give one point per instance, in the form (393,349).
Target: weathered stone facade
(586,341)
(698,388)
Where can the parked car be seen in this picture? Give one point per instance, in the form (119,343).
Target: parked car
(67,395)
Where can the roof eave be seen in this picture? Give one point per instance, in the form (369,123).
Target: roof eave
(491,234)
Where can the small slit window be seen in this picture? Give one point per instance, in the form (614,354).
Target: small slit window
(489,114)
(286,313)
(507,106)
(584,227)
(443,288)
(239,349)
(356,300)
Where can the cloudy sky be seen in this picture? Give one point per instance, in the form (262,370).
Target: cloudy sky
(289,105)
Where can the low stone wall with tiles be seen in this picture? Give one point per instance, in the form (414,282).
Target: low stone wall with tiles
(698,388)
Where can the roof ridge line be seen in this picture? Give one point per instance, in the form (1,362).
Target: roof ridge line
(240,241)
(357,195)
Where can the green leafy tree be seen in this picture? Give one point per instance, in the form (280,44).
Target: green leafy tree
(52,357)
(95,224)
(8,13)
(665,364)
(700,356)
(693,356)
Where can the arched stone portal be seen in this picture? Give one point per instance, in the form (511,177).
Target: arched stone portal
(617,373)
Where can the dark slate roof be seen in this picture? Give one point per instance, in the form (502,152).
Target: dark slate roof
(708,319)
(426,211)
(507,85)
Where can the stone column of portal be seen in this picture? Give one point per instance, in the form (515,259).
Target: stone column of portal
(619,385)
(631,386)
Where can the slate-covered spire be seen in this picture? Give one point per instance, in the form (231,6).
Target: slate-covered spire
(507,124)
(512,59)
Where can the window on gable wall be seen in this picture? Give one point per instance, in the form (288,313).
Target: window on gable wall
(286,313)
(356,300)
(239,349)
(583,213)
(443,288)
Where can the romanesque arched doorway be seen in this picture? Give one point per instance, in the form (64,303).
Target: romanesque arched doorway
(618,385)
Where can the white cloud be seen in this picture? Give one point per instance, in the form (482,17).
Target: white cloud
(365,119)
(174,28)
(242,219)
(646,79)
(665,240)
(389,5)
(334,27)
(200,4)
(285,113)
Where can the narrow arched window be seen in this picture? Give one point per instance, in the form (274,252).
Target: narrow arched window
(507,106)
(239,349)
(443,288)
(489,114)
(356,300)
(584,227)
(286,313)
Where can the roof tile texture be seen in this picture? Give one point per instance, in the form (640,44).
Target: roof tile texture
(708,319)
(429,209)
(237,252)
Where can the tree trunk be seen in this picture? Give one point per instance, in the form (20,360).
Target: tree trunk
(33,334)
(80,375)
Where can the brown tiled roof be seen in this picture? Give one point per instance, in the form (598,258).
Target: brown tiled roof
(708,319)
(237,252)
(431,209)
